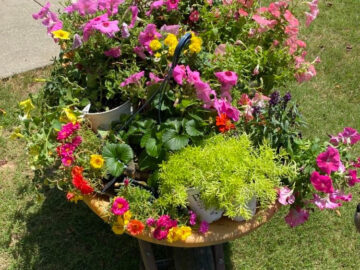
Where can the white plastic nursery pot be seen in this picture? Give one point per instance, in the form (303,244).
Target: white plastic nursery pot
(209,215)
(252,206)
(103,120)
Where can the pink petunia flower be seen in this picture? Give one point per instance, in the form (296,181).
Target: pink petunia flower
(340,195)
(108,28)
(179,74)
(125,31)
(264,22)
(204,227)
(322,183)
(120,206)
(85,7)
(172,4)
(173,29)
(155,5)
(135,78)
(140,51)
(259,100)
(153,79)
(43,12)
(324,203)
(192,218)
(296,216)
(349,136)
(242,12)
(205,93)
(352,176)
(223,106)
(286,196)
(329,161)
(194,16)
(192,76)
(134,12)
(146,36)
(113,52)
(228,79)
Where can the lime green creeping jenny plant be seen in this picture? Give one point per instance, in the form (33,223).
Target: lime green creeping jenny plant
(228,172)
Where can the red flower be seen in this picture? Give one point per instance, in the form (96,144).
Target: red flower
(224,123)
(79,182)
(135,227)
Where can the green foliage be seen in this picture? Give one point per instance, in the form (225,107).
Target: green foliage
(228,172)
(117,156)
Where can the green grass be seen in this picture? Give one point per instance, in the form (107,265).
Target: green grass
(49,233)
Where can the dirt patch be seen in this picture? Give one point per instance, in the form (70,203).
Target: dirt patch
(4,261)
(7,166)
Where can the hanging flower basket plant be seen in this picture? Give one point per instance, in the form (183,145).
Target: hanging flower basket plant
(204,135)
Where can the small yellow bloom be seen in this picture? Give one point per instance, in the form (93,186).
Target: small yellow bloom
(27,106)
(16,134)
(155,45)
(76,198)
(96,161)
(173,235)
(67,115)
(126,217)
(157,55)
(171,40)
(195,45)
(61,34)
(184,232)
(118,228)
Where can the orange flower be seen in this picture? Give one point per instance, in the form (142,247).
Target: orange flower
(135,227)
(224,123)
(76,170)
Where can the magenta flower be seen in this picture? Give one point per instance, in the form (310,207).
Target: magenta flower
(205,93)
(43,12)
(85,7)
(125,31)
(113,52)
(112,6)
(179,74)
(120,206)
(192,218)
(204,227)
(135,78)
(296,216)
(286,196)
(67,161)
(192,76)
(67,130)
(160,233)
(350,135)
(148,35)
(340,195)
(108,28)
(321,183)
(163,225)
(140,52)
(264,22)
(329,161)
(150,222)
(325,203)
(172,4)
(194,16)
(306,75)
(352,176)
(67,149)
(227,77)
(76,141)
(153,79)
(134,12)
(89,26)
(223,106)
(77,42)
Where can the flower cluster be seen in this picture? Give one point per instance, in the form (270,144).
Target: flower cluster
(79,181)
(49,19)
(67,148)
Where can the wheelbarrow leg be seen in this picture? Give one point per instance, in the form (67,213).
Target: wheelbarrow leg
(147,255)
(219,257)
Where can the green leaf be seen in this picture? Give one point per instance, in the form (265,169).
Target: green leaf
(115,167)
(191,129)
(151,148)
(174,141)
(144,139)
(116,156)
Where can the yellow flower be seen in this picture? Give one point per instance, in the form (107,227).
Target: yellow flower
(76,198)
(155,45)
(118,228)
(27,106)
(173,235)
(16,134)
(68,117)
(184,232)
(157,55)
(61,34)
(96,161)
(126,217)
(171,40)
(195,45)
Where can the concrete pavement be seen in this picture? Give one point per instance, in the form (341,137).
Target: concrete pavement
(24,43)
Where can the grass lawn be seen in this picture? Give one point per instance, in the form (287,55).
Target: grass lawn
(46,232)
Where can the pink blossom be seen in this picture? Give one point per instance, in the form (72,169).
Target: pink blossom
(67,161)
(153,79)
(324,203)
(321,183)
(134,78)
(205,93)
(256,70)
(301,43)
(276,42)
(140,52)
(192,218)
(340,195)
(120,206)
(67,149)
(194,16)
(172,4)
(227,2)
(113,52)
(160,233)
(223,106)
(264,22)
(329,161)
(76,141)
(314,11)
(306,75)
(296,216)
(155,5)
(245,100)
(220,50)
(259,100)
(274,10)
(107,27)
(291,18)
(352,176)
(192,76)
(286,196)
(150,222)
(204,227)
(179,74)
(349,135)
(111,5)
(228,79)
(89,26)
(246,3)
(134,12)
(148,35)
(77,42)
(242,12)
(67,130)
(356,164)
(173,29)
(43,12)
(87,7)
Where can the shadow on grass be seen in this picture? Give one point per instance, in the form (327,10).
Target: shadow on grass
(62,235)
